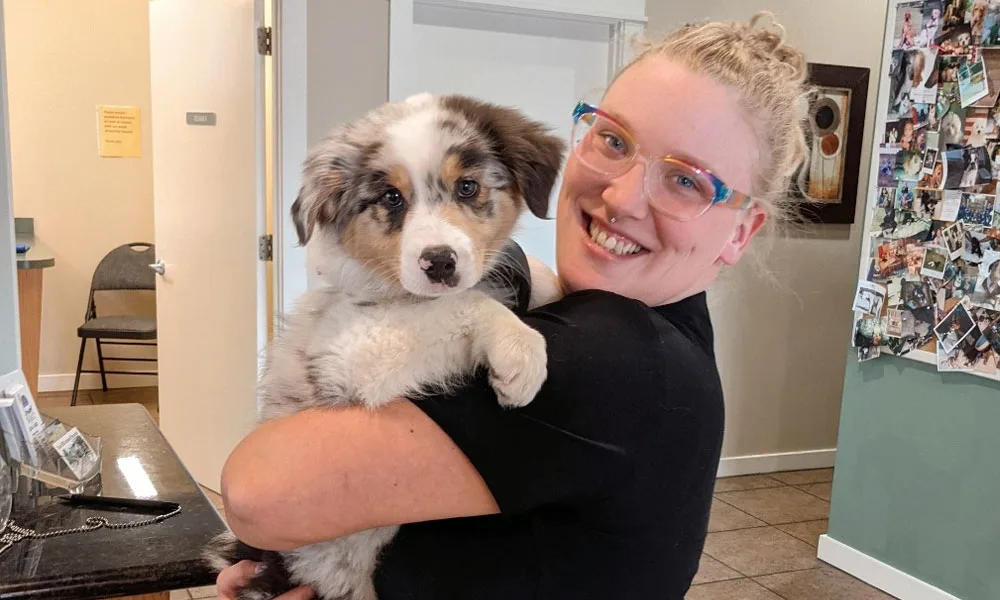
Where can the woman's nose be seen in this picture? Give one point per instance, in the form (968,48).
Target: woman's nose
(626,194)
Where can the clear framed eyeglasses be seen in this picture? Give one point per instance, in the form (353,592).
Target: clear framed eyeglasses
(674,186)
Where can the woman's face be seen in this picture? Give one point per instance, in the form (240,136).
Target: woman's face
(668,110)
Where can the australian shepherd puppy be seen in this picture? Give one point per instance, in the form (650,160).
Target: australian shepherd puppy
(405,212)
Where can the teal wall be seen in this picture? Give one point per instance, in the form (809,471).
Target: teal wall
(917,481)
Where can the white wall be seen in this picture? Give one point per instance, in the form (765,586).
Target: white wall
(781,349)
(334,67)
(348,62)
(65,57)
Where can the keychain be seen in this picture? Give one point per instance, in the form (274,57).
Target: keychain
(15,533)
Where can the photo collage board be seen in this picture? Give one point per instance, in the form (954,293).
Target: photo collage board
(929,285)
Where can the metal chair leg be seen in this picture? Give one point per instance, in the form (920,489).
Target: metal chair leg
(79,366)
(100,361)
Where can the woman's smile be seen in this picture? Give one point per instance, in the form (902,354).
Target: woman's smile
(608,241)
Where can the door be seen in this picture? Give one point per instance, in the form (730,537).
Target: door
(208,191)
(541,56)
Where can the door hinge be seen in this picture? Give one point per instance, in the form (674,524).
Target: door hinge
(264,41)
(265,247)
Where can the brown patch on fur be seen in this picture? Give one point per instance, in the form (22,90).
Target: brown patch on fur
(488,234)
(366,241)
(399,178)
(451,170)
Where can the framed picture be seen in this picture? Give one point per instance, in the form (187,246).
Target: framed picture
(828,180)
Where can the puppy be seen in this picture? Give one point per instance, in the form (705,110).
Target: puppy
(978,136)
(952,131)
(405,213)
(971,171)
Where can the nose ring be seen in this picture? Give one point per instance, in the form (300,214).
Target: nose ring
(612,220)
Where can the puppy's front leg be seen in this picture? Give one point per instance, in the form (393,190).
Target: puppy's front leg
(515,354)
(410,350)
(433,345)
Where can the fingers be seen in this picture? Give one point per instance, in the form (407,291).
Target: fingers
(232,579)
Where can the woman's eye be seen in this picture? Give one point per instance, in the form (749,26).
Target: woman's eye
(392,198)
(686,182)
(615,143)
(467,188)
(683,184)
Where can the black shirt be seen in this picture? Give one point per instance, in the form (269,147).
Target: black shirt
(604,481)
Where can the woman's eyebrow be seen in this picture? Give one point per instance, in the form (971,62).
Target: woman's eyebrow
(619,119)
(674,152)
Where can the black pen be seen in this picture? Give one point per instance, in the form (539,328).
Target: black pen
(113,502)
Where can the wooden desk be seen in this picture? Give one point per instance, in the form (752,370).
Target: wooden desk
(30,266)
(145,562)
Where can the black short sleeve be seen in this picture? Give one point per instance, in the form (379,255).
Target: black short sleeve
(604,481)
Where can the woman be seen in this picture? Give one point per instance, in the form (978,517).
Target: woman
(601,487)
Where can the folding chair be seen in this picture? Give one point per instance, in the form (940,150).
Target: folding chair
(127,267)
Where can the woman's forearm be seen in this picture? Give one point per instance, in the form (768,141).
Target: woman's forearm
(322,474)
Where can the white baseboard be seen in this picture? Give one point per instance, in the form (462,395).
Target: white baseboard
(772,463)
(876,573)
(63,382)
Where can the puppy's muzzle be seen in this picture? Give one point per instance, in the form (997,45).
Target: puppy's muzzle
(438,263)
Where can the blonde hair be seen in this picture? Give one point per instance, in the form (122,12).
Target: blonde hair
(769,77)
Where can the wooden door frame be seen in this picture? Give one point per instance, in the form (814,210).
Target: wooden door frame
(11,330)
(289,68)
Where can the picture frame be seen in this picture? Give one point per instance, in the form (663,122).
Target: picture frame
(827,182)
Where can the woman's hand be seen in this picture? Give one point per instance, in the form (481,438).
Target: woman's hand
(232,579)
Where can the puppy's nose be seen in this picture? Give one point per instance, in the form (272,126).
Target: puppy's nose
(438,263)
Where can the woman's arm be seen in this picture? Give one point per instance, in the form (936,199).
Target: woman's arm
(322,474)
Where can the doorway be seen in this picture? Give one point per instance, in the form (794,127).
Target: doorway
(193,177)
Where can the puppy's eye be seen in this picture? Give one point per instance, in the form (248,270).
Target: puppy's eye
(392,198)
(466,188)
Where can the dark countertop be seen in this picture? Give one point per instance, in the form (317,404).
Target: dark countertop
(107,563)
(38,255)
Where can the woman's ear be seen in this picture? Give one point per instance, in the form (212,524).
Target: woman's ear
(746,228)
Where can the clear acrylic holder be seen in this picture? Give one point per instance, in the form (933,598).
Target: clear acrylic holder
(52,470)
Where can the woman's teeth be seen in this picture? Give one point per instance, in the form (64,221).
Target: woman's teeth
(611,243)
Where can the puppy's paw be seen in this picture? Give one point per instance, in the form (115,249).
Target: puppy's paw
(517,363)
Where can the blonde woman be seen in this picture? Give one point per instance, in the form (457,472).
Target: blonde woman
(601,487)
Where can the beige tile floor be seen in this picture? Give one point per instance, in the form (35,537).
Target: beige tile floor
(762,536)
(762,541)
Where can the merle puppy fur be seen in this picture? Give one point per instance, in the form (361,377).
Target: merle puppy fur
(405,213)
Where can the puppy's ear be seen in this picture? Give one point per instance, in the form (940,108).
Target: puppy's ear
(525,146)
(304,219)
(323,185)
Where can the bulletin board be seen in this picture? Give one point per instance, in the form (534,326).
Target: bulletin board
(929,277)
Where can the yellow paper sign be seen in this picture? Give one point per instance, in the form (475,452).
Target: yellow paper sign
(119,131)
